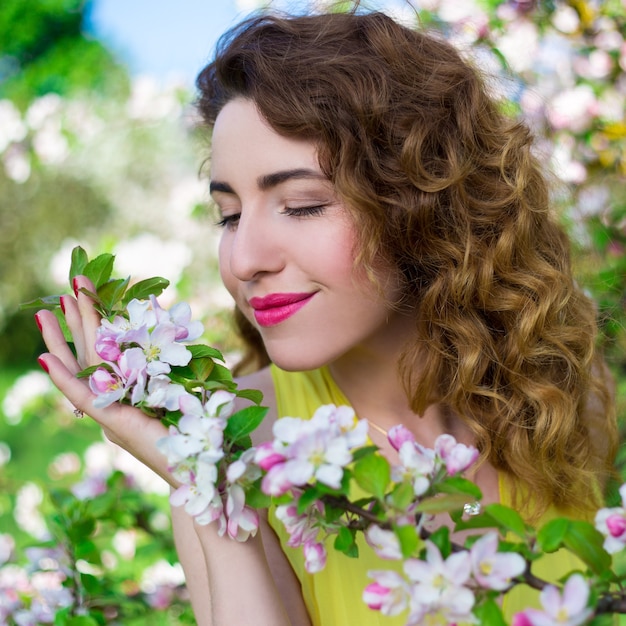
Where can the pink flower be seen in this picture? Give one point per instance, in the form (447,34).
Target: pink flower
(397,435)
(389,594)
(493,569)
(107,347)
(611,522)
(266,457)
(242,521)
(438,588)
(457,457)
(385,543)
(303,528)
(180,316)
(304,451)
(417,464)
(108,387)
(566,609)
(314,557)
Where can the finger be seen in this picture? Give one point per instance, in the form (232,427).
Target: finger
(89,316)
(124,425)
(55,341)
(64,378)
(74,322)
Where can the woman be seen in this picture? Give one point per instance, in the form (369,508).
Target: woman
(389,245)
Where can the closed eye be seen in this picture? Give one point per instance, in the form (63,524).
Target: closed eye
(229,221)
(304,211)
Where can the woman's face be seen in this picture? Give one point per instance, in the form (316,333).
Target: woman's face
(287,249)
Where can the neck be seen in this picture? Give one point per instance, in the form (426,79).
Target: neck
(370,380)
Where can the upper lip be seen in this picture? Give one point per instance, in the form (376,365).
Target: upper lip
(274,300)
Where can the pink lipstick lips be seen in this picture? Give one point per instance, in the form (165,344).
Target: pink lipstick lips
(277,307)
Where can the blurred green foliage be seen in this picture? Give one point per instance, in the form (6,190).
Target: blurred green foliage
(43,49)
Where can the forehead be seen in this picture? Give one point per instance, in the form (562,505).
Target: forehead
(242,139)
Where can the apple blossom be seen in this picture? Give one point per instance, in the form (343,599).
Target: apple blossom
(180,316)
(314,556)
(389,594)
(302,528)
(566,609)
(457,457)
(385,543)
(492,569)
(315,449)
(417,465)
(438,587)
(611,522)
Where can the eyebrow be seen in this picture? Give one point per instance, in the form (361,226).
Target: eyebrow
(274,179)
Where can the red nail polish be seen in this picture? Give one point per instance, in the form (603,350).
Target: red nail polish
(38,321)
(43,364)
(62,304)
(75,286)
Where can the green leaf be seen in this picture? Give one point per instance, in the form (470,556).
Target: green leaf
(373,474)
(99,270)
(255,498)
(81,620)
(201,368)
(111,292)
(402,495)
(88,371)
(586,542)
(408,538)
(47,302)
(344,542)
(441,538)
(78,263)
(143,289)
(201,350)
(243,422)
(254,395)
(488,612)
(359,453)
(458,484)
(551,535)
(442,504)
(308,497)
(507,518)
(221,373)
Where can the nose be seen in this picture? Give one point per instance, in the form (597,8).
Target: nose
(255,246)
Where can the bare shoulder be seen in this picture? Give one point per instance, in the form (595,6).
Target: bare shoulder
(261,380)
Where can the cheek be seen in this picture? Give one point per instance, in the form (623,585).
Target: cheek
(223,258)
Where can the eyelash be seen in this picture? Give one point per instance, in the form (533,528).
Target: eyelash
(230,221)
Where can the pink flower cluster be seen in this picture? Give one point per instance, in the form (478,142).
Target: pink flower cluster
(304,530)
(138,353)
(194,449)
(305,450)
(441,591)
(421,465)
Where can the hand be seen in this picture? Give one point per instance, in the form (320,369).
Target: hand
(124,425)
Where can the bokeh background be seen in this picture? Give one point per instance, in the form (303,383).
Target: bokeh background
(100,146)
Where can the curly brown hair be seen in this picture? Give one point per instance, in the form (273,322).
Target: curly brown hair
(445,187)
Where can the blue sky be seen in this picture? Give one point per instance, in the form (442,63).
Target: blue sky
(174,37)
(163,37)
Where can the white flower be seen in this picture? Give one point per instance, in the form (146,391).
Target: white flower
(493,569)
(384,542)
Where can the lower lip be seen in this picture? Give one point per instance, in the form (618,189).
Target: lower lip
(278,314)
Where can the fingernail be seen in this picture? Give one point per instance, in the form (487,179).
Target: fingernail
(75,286)
(62,304)
(38,321)
(43,364)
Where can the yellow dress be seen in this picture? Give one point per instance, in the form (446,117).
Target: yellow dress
(333,596)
